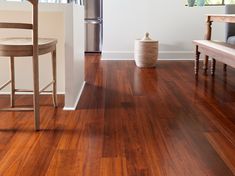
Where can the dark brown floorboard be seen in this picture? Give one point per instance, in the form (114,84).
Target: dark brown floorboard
(129,122)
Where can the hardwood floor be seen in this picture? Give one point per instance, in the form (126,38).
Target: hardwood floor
(129,122)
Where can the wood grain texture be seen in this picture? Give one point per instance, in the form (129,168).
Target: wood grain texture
(129,122)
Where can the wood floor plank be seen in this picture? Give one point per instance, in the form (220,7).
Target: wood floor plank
(129,122)
(113,166)
(64,162)
(224,148)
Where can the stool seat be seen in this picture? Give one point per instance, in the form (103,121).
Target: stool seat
(24,46)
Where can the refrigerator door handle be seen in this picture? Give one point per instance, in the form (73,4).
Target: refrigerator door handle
(92,22)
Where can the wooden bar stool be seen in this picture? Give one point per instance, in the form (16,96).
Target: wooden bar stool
(23,47)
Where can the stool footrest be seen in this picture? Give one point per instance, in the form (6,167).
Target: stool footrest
(41,91)
(48,85)
(5,85)
(23,90)
(16,109)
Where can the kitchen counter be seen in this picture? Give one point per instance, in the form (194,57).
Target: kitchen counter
(62,21)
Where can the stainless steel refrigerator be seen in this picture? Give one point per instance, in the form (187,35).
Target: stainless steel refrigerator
(93,25)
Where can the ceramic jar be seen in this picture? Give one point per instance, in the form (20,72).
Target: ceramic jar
(146,52)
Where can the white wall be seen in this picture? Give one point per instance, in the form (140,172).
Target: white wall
(170,22)
(74,47)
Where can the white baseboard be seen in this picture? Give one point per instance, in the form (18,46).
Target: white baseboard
(72,108)
(59,93)
(163,55)
(69,109)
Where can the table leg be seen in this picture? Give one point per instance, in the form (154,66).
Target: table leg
(207,37)
(225,67)
(213,62)
(196,66)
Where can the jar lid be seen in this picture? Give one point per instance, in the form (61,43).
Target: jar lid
(146,38)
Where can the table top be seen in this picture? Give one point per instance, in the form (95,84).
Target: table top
(227,18)
(221,15)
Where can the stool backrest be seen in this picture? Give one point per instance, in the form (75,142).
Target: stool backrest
(33,26)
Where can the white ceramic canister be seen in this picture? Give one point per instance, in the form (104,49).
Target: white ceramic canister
(146,52)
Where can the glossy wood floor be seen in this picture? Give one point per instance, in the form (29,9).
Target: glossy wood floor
(129,122)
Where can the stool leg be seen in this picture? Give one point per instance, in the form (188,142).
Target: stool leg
(213,62)
(54,92)
(12,74)
(36,93)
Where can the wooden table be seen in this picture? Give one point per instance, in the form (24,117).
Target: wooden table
(227,18)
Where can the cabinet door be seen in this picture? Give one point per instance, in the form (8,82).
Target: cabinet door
(93,9)
(93,32)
